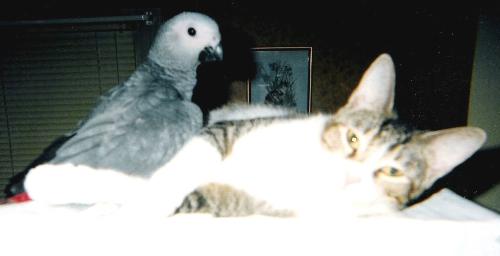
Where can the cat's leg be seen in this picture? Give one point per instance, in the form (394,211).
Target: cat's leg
(194,165)
(68,183)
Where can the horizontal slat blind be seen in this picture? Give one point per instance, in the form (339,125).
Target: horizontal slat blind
(50,80)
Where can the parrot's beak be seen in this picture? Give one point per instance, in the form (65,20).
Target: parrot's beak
(210,53)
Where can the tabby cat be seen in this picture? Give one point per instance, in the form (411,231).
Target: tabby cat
(265,160)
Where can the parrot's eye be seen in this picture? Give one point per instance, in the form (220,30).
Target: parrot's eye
(191,31)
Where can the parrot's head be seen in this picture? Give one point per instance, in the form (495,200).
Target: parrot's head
(186,40)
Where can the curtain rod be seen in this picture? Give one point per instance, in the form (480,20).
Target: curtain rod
(147,18)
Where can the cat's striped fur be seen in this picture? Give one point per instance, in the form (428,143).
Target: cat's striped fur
(223,200)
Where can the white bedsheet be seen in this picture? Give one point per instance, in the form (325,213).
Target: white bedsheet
(445,224)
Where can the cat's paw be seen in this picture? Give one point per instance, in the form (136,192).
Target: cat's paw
(80,184)
(48,183)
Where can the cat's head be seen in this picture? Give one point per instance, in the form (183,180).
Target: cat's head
(389,164)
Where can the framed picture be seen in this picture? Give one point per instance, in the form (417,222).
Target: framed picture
(283,77)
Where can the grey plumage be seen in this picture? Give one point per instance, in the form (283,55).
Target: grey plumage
(140,124)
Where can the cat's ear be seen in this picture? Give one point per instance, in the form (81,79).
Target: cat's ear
(376,89)
(445,149)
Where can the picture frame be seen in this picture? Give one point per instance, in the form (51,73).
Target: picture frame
(283,77)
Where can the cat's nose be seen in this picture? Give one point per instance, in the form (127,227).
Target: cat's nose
(352,179)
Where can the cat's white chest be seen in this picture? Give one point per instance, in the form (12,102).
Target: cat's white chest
(288,168)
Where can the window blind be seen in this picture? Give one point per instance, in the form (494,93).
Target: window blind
(50,79)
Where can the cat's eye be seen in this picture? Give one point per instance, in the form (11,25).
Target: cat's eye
(191,31)
(353,140)
(391,171)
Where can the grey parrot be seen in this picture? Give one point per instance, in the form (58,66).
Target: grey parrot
(141,123)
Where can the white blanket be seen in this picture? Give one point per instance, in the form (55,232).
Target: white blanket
(445,224)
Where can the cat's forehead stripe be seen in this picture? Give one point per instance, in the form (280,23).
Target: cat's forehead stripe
(391,131)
